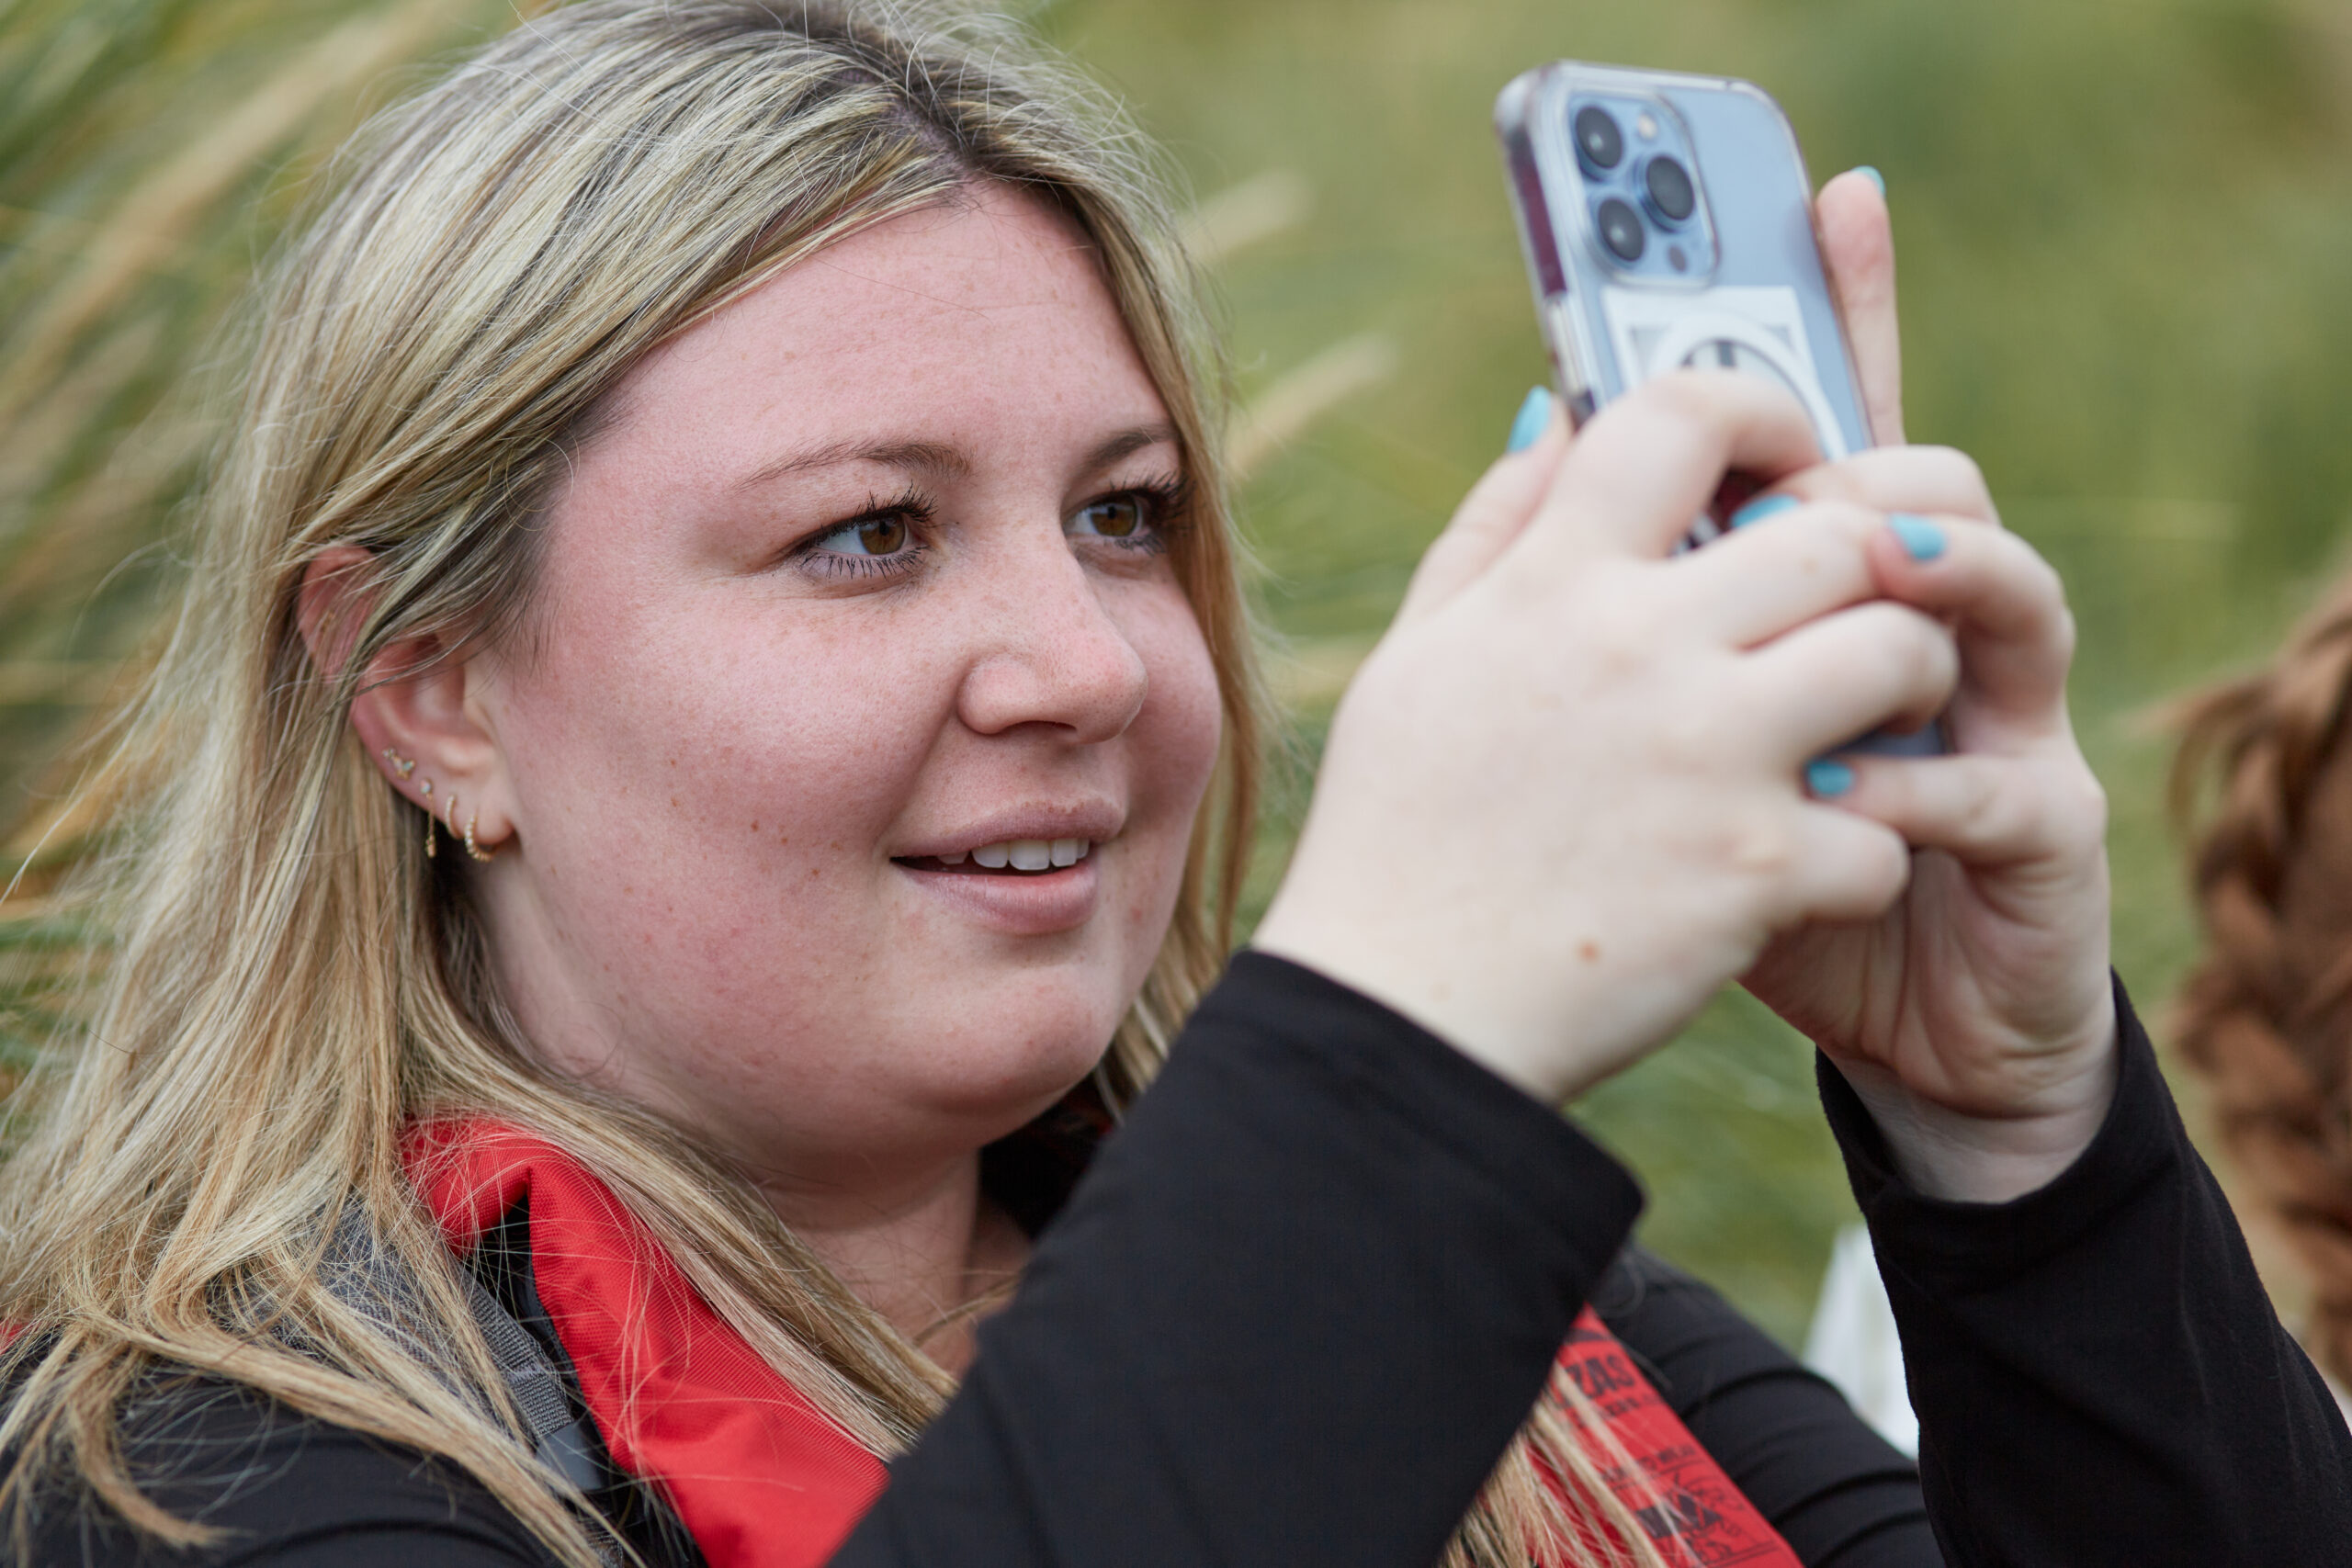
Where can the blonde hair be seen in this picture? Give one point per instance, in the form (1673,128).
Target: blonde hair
(290,980)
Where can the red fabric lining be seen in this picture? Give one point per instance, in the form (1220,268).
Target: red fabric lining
(759,1478)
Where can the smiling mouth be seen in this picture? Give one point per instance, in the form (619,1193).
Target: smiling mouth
(1010,857)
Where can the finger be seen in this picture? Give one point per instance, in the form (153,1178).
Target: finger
(1841,676)
(1843,867)
(1647,466)
(1858,249)
(1755,583)
(1889,479)
(2009,609)
(1987,810)
(1495,513)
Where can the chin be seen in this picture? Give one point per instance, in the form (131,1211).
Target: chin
(1022,1045)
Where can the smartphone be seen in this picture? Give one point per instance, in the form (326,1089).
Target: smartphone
(1666,221)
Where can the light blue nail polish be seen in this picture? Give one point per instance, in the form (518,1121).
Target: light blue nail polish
(1533,415)
(1763,506)
(1922,539)
(1876,178)
(1827,779)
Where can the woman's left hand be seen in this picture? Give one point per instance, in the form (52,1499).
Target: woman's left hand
(1975,1017)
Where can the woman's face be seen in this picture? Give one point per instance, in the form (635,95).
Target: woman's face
(863,590)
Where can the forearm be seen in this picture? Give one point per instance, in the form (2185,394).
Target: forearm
(2098,1373)
(1293,1314)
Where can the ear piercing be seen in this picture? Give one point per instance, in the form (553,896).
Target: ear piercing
(473,851)
(470,849)
(404,766)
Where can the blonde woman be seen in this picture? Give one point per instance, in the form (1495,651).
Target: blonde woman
(703,770)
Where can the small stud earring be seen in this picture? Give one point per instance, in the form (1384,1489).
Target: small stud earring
(469,840)
(401,765)
(426,787)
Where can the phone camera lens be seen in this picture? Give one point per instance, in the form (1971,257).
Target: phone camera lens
(1669,184)
(1620,229)
(1598,137)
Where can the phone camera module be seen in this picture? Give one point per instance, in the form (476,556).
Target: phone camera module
(1598,141)
(1668,184)
(1620,229)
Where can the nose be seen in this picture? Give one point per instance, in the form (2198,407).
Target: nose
(1050,651)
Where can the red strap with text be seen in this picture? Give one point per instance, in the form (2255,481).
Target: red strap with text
(1681,1497)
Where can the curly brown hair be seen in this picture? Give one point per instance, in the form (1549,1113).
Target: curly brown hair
(2266,1018)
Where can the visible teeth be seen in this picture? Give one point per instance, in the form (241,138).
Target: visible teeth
(1024,854)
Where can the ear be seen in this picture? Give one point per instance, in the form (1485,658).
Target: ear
(420,710)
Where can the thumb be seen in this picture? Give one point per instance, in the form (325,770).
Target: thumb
(1495,511)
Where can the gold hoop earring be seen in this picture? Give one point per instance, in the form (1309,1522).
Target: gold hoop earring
(469,840)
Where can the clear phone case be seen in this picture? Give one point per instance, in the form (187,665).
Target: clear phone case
(1668,222)
(1750,295)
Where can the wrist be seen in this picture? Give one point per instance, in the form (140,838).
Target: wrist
(1985,1158)
(1408,990)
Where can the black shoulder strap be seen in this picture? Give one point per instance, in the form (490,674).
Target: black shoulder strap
(373,1280)
(559,1439)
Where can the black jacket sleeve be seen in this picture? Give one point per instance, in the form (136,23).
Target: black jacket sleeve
(2099,1374)
(1836,1491)
(1291,1317)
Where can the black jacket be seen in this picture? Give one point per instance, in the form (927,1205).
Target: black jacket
(1305,1298)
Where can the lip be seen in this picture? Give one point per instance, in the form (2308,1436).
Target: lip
(1038,903)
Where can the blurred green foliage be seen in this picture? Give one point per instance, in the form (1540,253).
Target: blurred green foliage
(2126,230)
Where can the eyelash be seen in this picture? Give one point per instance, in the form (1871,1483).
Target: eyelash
(1164,511)
(909,505)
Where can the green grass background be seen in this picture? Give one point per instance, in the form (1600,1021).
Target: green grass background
(2127,271)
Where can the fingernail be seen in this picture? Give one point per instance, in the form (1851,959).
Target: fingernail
(1827,779)
(1922,539)
(1876,178)
(1533,415)
(1763,506)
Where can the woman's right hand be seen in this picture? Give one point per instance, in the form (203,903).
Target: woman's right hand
(1560,805)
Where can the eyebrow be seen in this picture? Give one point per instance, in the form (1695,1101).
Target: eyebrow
(937,457)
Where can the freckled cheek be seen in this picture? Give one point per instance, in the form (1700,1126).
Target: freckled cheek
(736,777)
(1183,721)
(1176,737)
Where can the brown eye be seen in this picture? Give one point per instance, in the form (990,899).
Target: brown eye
(1121,517)
(882,535)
